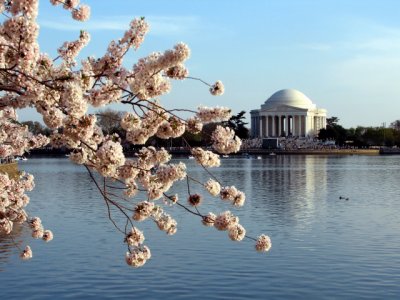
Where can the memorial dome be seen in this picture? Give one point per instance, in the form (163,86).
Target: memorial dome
(290,97)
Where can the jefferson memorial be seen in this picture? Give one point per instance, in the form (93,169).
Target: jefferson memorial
(287,112)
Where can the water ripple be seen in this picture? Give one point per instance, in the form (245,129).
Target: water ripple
(324,247)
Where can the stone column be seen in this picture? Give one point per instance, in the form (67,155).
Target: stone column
(264,125)
(319,123)
(252,127)
(314,124)
(293,125)
(279,126)
(273,125)
(284,129)
(287,125)
(269,126)
(307,125)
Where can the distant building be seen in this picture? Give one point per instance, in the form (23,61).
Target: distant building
(287,113)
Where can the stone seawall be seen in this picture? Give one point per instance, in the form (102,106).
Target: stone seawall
(389,151)
(184,151)
(317,151)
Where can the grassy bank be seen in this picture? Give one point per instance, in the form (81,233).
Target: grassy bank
(10,168)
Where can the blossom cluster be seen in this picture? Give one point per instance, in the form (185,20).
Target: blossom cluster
(231,193)
(194,125)
(213,114)
(263,243)
(255,143)
(78,12)
(213,187)
(15,139)
(145,209)
(226,221)
(13,201)
(138,257)
(69,50)
(206,158)
(148,81)
(138,253)
(225,141)
(217,88)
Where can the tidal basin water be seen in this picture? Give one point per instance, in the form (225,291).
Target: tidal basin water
(323,247)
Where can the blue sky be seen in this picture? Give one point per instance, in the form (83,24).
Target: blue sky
(344,55)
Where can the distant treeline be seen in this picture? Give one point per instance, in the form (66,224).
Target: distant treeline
(109,121)
(361,136)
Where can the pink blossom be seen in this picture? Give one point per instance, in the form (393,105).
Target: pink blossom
(225,220)
(213,114)
(225,141)
(143,210)
(135,237)
(194,125)
(217,89)
(138,257)
(206,158)
(213,187)
(69,4)
(26,253)
(209,219)
(47,235)
(82,13)
(194,199)
(237,232)
(263,243)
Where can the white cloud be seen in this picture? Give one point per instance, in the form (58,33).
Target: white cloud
(380,44)
(370,63)
(363,37)
(368,72)
(159,25)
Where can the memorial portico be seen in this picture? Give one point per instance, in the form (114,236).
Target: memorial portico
(287,113)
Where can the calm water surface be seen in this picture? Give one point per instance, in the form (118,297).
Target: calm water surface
(323,247)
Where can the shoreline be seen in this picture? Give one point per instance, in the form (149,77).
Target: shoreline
(186,151)
(316,152)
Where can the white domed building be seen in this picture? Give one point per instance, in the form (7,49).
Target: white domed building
(287,112)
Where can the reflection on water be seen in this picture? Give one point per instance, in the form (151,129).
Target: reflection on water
(9,245)
(323,246)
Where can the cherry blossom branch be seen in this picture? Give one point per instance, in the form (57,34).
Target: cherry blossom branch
(108,200)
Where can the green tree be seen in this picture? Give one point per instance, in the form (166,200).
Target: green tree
(109,121)
(207,131)
(237,123)
(333,131)
(37,128)
(395,125)
(332,121)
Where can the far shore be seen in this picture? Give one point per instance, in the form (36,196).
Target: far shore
(317,151)
(186,151)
